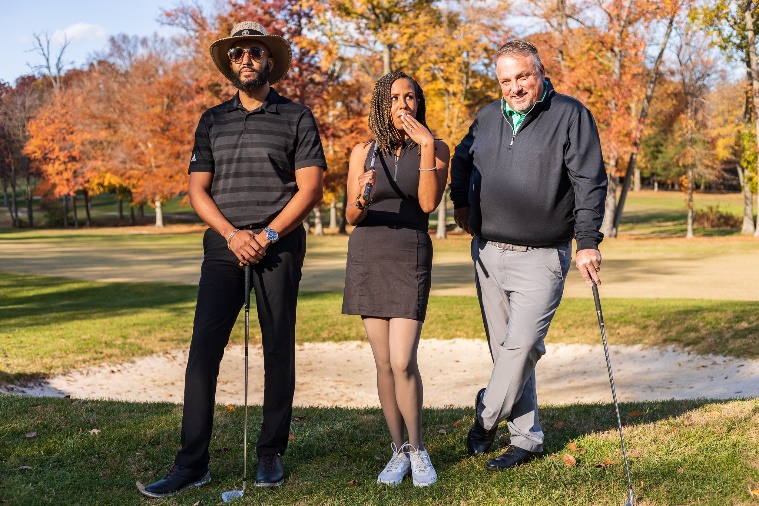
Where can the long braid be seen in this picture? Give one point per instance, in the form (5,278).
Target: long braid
(381,125)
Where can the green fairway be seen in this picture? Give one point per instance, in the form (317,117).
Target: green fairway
(51,325)
(65,451)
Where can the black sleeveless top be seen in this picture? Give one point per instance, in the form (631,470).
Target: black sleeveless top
(396,203)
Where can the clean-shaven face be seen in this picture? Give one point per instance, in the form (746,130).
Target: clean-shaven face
(521,84)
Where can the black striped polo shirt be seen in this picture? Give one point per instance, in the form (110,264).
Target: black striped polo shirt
(254,155)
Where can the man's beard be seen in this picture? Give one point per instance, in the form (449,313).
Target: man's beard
(261,79)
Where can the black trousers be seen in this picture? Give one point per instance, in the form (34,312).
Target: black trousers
(275,281)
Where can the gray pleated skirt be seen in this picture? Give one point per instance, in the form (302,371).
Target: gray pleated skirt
(388,274)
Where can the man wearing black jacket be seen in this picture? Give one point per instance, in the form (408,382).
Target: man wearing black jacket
(527,179)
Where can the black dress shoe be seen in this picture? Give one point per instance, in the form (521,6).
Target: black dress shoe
(270,472)
(176,480)
(513,456)
(479,440)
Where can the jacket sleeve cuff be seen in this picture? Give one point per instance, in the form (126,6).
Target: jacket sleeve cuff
(586,243)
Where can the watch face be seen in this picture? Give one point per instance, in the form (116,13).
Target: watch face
(272,235)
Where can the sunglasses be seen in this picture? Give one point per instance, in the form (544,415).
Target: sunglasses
(236,54)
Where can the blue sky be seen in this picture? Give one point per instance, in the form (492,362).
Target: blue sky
(86,23)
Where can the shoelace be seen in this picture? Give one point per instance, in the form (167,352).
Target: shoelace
(173,468)
(269,462)
(419,460)
(397,461)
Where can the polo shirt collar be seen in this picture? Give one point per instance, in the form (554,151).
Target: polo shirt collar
(269,105)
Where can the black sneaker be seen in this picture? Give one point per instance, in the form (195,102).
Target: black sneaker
(176,480)
(270,472)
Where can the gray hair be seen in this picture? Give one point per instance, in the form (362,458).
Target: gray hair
(521,48)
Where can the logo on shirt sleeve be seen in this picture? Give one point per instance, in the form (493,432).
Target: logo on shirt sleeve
(193,158)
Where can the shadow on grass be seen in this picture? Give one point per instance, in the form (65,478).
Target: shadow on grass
(334,455)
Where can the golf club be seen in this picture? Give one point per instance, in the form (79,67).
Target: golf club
(236,494)
(613,391)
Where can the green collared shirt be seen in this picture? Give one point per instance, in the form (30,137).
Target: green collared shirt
(517,117)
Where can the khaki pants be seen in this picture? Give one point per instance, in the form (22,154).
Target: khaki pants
(519,292)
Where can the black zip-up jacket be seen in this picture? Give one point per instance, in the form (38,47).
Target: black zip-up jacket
(540,187)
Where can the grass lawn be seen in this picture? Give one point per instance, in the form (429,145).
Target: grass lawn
(50,325)
(65,451)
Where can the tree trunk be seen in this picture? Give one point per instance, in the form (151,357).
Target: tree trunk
(691,185)
(65,211)
(318,228)
(73,208)
(636,180)
(656,185)
(141,209)
(386,59)
(748,15)
(158,214)
(14,203)
(29,201)
(87,208)
(748,211)
(120,201)
(442,232)
(131,209)
(610,207)
(307,224)
(332,214)
(343,220)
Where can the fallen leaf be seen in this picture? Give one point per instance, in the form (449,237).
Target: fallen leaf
(378,458)
(298,418)
(30,435)
(569,460)
(754,492)
(291,437)
(582,452)
(457,423)
(37,406)
(94,431)
(572,447)
(605,463)
(197,503)
(26,468)
(558,425)
(609,463)
(230,407)
(635,413)
(442,431)
(67,396)
(351,483)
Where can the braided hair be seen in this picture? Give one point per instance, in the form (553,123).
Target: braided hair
(381,125)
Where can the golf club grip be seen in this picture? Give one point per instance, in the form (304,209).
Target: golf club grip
(367,191)
(597,299)
(246,270)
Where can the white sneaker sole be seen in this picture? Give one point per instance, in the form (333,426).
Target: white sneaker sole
(424,483)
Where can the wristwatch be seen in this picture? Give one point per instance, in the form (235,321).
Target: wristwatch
(271,234)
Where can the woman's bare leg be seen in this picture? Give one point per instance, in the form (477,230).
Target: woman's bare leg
(378,333)
(404,342)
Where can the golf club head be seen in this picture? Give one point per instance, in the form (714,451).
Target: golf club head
(631,502)
(231,495)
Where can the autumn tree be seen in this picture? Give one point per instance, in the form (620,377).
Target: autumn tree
(17,104)
(695,70)
(733,25)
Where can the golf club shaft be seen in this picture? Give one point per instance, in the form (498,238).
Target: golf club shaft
(597,299)
(247,270)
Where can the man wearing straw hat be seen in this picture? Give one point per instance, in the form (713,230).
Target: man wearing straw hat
(256,172)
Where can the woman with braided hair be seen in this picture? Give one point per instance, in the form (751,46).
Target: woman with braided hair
(394,182)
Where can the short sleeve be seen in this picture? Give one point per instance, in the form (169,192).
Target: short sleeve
(202,155)
(309,151)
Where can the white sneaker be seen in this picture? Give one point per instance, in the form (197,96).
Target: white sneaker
(421,468)
(397,468)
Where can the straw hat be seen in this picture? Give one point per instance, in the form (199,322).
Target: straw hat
(253,32)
